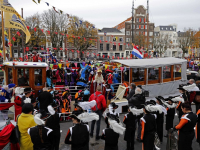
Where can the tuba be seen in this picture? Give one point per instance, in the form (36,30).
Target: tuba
(172,140)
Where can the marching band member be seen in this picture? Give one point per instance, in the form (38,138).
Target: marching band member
(148,123)
(186,127)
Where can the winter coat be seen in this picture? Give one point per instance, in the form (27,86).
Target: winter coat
(25,121)
(132,92)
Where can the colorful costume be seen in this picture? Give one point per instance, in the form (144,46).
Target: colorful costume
(116,76)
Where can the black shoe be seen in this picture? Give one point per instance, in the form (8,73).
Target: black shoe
(166,135)
(98,138)
(91,135)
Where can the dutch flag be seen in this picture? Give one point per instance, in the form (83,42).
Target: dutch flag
(137,53)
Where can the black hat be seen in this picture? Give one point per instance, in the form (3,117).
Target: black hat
(114,105)
(55,104)
(153,102)
(28,89)
(181,87)
(75,115)
(160,98)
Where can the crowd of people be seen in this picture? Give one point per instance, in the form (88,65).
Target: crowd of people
(38,119)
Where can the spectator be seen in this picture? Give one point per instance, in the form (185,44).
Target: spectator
(99,109)
(45,99)
(21,80)
(26,121)
(41,136)
(132,92)
(192,82)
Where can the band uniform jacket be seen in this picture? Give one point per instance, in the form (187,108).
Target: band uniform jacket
(170,118)
(186,131)
(185,96)
(148,123)
(159,125)
(111,139)
(79,134)
(38,143)
(129,121)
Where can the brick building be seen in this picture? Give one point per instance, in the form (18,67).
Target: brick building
(111,43)
(143,30)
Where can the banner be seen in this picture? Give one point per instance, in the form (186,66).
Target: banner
(7,7)
(13,21)
(60,66)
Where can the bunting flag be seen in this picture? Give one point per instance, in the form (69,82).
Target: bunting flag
(42,30)
(61,49)
(9,44)
(122,68)
(28,27)
(14,39)
(5,33)
(48,32)
(76,24)
(47,3)
(68,65)
(18,33)
(47,49)
(83,52)
(55,9)
(34,1)
(61,11)
(39,1)
(35,29)
(13,21)
(66,49)
(80,21)
(75,65)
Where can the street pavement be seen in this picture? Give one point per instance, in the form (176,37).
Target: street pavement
(99,145)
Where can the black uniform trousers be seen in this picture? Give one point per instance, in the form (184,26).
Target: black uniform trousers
(98,123)
(148,141)
(185,140)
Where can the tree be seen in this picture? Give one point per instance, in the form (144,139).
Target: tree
(57,25)
(38,37)
(139,40)
(161,43)
(81,34)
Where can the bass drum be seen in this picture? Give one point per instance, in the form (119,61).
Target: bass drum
(126,85)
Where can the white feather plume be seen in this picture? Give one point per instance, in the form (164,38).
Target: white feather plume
(118,128)
(136,111)
(27,100)
(17,90)
(178,99)
(87,105)
(163,109)
(168,105)
(37,119)
(88,117)
(189,87)
(51,110)
(153,108)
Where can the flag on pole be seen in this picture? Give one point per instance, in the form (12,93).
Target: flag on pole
(13,21)
(47,3)
(7,7)
(137,53)
(34,1)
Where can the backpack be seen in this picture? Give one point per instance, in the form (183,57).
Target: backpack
(97,100)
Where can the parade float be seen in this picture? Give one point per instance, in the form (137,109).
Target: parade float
(159,76)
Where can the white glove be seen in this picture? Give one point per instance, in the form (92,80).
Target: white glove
(94,81)
(104,85)
(6,100)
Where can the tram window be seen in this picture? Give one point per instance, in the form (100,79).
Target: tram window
(166,72)
(10,76)
(138,74)
(38,77)
(177,70)
(153,73)
(23,77)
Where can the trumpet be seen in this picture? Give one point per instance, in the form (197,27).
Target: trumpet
(156,142)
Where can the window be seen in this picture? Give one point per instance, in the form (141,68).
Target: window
(75,54)
(114,47)
(166,72)
(101,38)
(150,33)
(107,38)
(150,39)
(101,47)
(138,74)
(107,47)
(38,77)
(114,39)
(137,19)
(142,20)
(137,26)
(122,54)
(23,77)
(142,26)
(153,73)
(120,47)
(127,46)
(15,44)
(127,39)
(127,32)
(121,39)
(70,54)
(177,70)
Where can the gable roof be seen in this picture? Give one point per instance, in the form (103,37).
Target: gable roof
(122,24)
(166,28)
(110,30)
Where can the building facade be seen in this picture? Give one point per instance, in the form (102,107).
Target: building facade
(142,28)
(111,43)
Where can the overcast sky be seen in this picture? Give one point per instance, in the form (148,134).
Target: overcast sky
(108,13)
